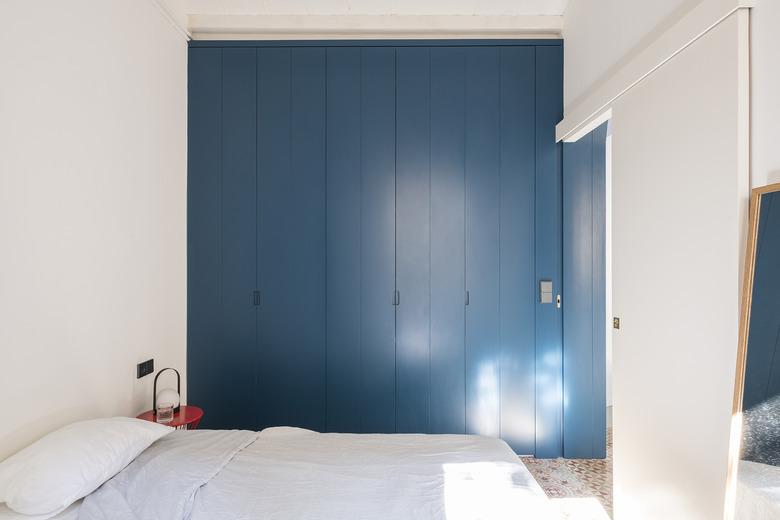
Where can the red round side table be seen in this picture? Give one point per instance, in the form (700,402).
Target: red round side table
(187,418)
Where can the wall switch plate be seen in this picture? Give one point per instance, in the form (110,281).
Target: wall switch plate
(545,291)
(144,368)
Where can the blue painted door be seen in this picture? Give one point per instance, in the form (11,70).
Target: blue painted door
(413,238)
(204,202)
(547,238)
(447,245)
(584,275)
(482,164)
(291,220)
(344,230)
(517,278)
(221,236)
(377,240)
(361,350)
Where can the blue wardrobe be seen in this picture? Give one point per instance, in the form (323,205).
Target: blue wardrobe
(368,224)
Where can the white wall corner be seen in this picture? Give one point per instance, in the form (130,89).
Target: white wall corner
(690,27)
(174,11)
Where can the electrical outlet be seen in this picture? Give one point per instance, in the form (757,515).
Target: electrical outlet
(144,368)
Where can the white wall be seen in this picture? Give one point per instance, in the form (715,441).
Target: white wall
(765,87)
(680,183)
(601,35)
(92,209)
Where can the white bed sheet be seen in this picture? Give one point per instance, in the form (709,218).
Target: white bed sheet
(291,473)
(71,513)
(758,491)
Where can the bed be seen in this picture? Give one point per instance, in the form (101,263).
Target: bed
(283,473)
(758,491)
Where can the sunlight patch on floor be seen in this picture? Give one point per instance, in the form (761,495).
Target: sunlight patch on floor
(587,508)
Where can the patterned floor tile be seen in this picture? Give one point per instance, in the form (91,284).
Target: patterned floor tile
(572,481)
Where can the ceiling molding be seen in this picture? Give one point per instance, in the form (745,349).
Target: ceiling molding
(303,27)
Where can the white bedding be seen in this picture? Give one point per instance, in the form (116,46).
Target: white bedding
(288,473)
(70,513)
(758,491)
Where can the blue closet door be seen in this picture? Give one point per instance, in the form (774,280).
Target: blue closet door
(204,206)
(547,238)
(377,240)
(239,259)
(344,304)
(447,245)
(222,252)
(361,357)
(584,320)
(517,295)
(482,164)
(291,236)
(413,238)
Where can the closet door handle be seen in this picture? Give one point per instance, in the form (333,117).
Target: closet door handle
(396,297)
(468,298)
(255,297)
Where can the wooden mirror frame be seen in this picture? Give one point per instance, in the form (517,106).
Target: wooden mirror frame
(735,440)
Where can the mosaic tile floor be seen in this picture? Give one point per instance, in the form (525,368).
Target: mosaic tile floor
(581,488)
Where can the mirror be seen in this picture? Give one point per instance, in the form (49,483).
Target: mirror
(757,393)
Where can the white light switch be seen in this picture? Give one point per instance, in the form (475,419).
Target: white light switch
(546,291)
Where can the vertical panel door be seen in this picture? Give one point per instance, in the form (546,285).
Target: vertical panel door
(413,238)
(344,304)
(204,207)
(447,155)
(291,236)
(547,238)
(377,239)
(584,320)
(361,362)
(517,295)
(482,240)
(221,242)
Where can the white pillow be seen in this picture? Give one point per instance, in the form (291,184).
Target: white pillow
(70,463)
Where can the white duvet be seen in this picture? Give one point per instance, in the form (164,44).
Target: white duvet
(288,473)
(758,491)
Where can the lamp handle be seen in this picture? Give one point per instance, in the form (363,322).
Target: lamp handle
(178,390)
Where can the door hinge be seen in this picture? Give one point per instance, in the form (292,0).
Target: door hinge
(256,297)
(396,297)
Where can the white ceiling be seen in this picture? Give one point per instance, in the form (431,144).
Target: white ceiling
(375,7)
